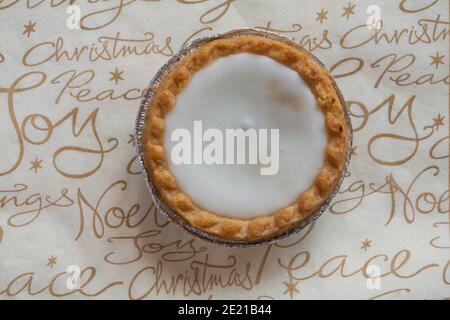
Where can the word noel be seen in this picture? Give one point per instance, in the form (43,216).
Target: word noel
(208,147)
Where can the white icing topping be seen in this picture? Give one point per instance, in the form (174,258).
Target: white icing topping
(249,91)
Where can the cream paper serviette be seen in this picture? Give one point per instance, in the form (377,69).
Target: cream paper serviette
(72,200)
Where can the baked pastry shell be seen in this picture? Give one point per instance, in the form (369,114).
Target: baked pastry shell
(144,110)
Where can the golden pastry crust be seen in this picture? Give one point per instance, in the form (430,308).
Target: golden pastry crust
(321,85)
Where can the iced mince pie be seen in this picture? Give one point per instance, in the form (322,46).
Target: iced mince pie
(247,82)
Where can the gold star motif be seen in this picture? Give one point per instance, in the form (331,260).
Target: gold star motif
(321,16)
(366,244)
(437,59)
(438,121)
(51,261)
(36,165)
(131,140)
(353,152)
(116,75)
(348,10)
(291,287)
(29,28)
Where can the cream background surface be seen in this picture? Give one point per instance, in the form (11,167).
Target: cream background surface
(71,196)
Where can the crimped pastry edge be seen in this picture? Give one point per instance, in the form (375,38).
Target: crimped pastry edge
(259,228)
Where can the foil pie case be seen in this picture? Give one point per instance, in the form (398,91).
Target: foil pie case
(144,110)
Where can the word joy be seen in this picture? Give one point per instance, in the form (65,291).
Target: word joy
(237,146)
